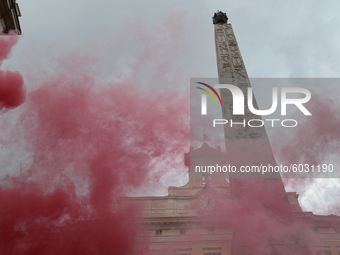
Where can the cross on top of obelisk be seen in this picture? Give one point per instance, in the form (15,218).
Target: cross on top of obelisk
(220,18)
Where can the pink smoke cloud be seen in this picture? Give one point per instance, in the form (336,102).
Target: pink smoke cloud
(89,145)
(12,88)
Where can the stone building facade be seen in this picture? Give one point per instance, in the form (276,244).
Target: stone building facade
(9,16)
(175,227)
(175,221)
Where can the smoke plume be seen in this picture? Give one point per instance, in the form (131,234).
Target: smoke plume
(12,88)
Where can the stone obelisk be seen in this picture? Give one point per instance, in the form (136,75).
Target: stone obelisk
(245,145)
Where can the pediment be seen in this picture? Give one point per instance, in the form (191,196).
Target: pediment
(205,153)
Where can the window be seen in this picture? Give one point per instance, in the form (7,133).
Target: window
(211,231)
(212,251)
(326,230)
(324,253)
(338,248)
(183,252)
(323,250)
(182,231)
(154,252)
(158,232)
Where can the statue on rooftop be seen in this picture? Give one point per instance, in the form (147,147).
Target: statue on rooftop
(220,18)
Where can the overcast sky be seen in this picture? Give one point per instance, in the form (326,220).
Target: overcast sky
(276,38)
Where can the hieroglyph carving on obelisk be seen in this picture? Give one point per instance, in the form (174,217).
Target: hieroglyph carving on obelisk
(231,70)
